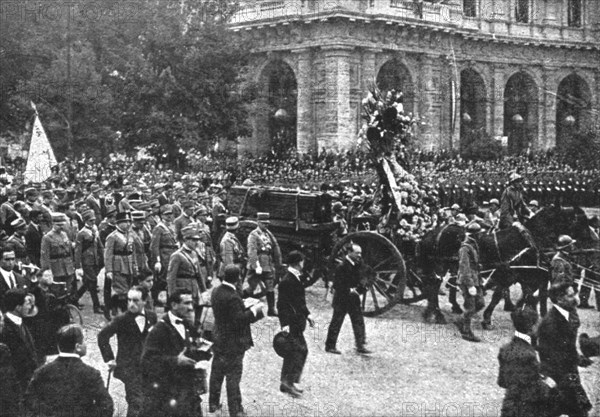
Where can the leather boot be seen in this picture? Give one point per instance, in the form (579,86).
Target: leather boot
(271,304)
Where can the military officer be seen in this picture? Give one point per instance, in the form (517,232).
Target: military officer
(560,267)
(17,241)
(184,271)
(119,261)
(470,281)
(89,259)
(108,225)
(512,206)
(143,236)
(231,249)
(162,246)
(264,257)
(184,219)
(57,253)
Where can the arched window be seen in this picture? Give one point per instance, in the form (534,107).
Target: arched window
(522,11)
(574,13)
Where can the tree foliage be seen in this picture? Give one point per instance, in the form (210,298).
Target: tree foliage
(168,73)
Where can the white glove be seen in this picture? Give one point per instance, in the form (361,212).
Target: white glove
(259,269)
(285,329)
(472,291)
(79,272)
(158,267)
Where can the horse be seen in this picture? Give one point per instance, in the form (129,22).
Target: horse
(509,256)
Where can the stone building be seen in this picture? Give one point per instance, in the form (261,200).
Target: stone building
(525,70)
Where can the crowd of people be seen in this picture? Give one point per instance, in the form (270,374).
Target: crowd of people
(166,239)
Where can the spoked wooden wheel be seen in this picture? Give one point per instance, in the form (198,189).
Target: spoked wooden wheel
(383,266)
(75,316)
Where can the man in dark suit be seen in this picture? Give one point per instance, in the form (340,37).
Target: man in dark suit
(293,316)
(347,286)
(170,384)
(19,304)
(9,279)
(33,237)
(232,338)
(131,329)
(557,338)
(528,392)
(67,386)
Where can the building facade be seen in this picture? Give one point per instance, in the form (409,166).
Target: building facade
(526,71)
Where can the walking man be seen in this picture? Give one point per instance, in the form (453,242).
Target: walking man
(348,285)
(89,259)
(293,316)
(131,328)
(469,281)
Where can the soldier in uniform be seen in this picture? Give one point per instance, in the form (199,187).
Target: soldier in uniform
(57,253)
(512,206)
(154,217)
(184,271)
(7,209)
(17,241)
(162,246)
(108,225)
(119,261)
(184,219)
(143,236)
(89,259)
(470,281)
(560,267)
(231,249)
(264,257)
(93,202)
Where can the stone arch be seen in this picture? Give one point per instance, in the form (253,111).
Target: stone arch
(521,111)
(573,106)
(277,106)
(394,74)
(473,104)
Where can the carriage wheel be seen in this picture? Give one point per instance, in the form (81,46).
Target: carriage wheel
(75,316)
(385,270)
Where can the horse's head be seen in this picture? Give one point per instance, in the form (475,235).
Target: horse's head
(547,224)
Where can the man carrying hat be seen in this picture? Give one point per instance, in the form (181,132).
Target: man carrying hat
(184,271)
(264,258)
(89,259)
(560,266)
(469,281)
(57,253)
(512,205)
(293,316)
(162,245)
(231,249)
(119,261)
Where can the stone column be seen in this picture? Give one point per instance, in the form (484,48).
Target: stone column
(498,86)
(335,127)
(429,80)
(306,141)
(547,136)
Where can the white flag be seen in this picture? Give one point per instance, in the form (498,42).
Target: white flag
(41,157)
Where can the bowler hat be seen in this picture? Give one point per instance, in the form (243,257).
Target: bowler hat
(565,241)
(474,227)
(282,344)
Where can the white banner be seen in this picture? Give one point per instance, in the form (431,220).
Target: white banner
(41,157)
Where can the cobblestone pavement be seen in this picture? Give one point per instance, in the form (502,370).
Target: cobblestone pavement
(416,369)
